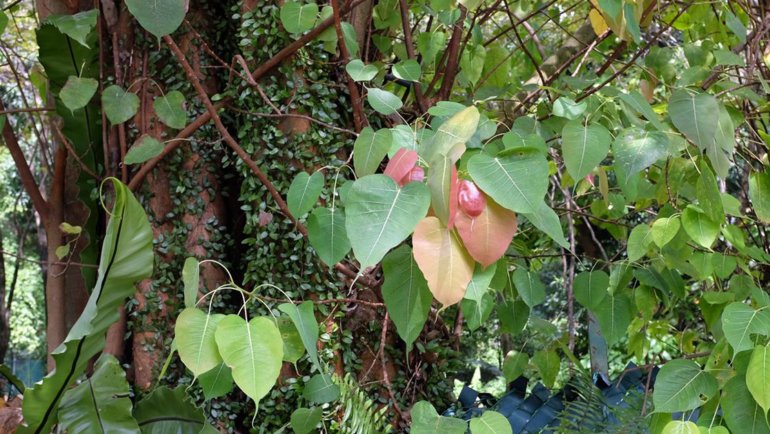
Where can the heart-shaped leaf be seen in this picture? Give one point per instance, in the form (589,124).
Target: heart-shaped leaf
(665,229)
(614,314)
(456,130)
(636,149)
(590,288)
(170,108)
(369,149)
(518,181)
(304,192)
(254,352)
(408,70)
(298,18)
(145,148)
(159,17)
(491,422)
(443,261)
(682,385)
(76,26)
(118,104)
(304,320)
(321,389)
(758,376)
(529,287)
(584,147)
(425,420)
(383,102)
(381,215)
(359,71)
(216,382)
(487,236)
(194,332)
(304,420)
(696,115)
(740,321)
(699,227)
(326,232)
(405,293)
(77,92)
(638,242)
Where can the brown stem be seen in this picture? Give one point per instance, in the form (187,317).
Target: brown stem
(355,95)
(56,328)
(418,96)
(453,60)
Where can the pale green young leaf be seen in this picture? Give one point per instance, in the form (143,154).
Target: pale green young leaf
(518,181)
(359,71)
(680,427)
(298,18)
(408,70)
(77,92)
(425,420)
(383,101)
(458,129)
(699,227)
(758,376)
(491,422)
(191,281)
(665,229)
(194,332)
(639,241)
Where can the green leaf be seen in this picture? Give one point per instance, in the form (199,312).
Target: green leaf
(632,24)
(194,332)
(584,147)
(614,314)
(758,376)
(253,351)
(127,258)
(298,18)
(514,365)
(460,128)
(3,22)
(491,422)
(216,382)
(545,219)
(477,312)
(721,152)
(513,316)
(682,385)
(359,71)
(547,364)
(77,92)
(76,26)
(680,426)
(638,103)
(740,321)
(665,229)
(369,149)
(696,115)
(382,215)
(303,317)
(479,284)
(590,288)
(517,182)
(293,348)
(383,102)
(406,294)
(304,192)
(326,232)
(408,70)
(440,185)
(636,149)
(425,420)
(707,192)
(118,104)
(101,400)
(569,109)
(699,227)
(159,17)
(321,389)
(145,148)
(166,411)
(304,420)
(639,241)
(759,193)
(529,287)
(190,280)
(741,412)
(170,108)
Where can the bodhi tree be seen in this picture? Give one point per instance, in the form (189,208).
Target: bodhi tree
(322,217)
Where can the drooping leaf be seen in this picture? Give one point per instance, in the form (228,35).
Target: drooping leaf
(477,312)
(514,365)
(326,232)
(408,70)
(359,71)
(699,227)
(614,314)
(491,422)
(253,351)
(590,288)
(638,103)
(304,320)
(513,316)
(191,281)
(720,153)
(194,332)
(383,102)
(584,147)
(159,17)
(758,376)
(440,179)
(304,192)
(741,412)
(304,420)
(740,321)
(127,257)
(293,348)
(547,364)
(480,282)
(406,294)
(321,389)
(382,215)
(369,149)
(443,261)
(638,242)
(102,400)
(682,385)
(696,115)
(759,193)
(456,130)
(166,411)
(145,148)
(708,194)
(487,236)
(529,287)
(119,105)
(76,26)
(517,182)
(545,219)
(298,18)
(77,92)
(425,420)
(216,382)
(170,108)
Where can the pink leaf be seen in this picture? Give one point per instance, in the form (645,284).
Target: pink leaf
(487,236)
(401,164)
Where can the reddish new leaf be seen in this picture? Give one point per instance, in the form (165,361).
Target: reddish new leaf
(487,236)
(401,164)
(416,174)
(472,201)
(453,193)
(442,259)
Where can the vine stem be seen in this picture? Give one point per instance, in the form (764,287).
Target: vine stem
(244,156)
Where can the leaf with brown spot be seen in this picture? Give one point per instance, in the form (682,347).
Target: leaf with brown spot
(442,259)
(487,236)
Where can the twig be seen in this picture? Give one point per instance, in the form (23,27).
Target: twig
(355,96)
(418,96)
